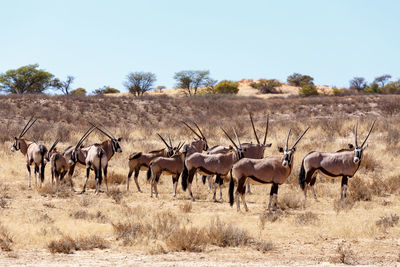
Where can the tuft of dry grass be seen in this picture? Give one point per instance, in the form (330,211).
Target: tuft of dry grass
(116,178)
(6,239)
(345,254)
(68,245)
(115,193)
(343,205)
(186,207)
(307,218)
(189,239)
(359,190)
(387,221)
(226,235)
(99,217)
(289,201)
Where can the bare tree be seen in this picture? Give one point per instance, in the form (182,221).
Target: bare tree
(358,83)
(381,80)
(139,82)
(191,80)
(64,86)
(160,88)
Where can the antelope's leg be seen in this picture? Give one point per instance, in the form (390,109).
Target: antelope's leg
(36,173)
(274,191)
(217,178)
(155,188)
(241,189)
(87,178)
(129,178)
(175,182)
(305,196)
(190,180)
(343,191)
(52,176)
(105,176)
(248,189)
(210,180)
(312,183)
(29,174)
(221,181)
(70,173)
(136,179)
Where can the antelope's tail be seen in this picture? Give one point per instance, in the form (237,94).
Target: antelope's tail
(99,174)
(302,176)
(231,187)
(203,178)
(43,151)
(149,173)
(185,175)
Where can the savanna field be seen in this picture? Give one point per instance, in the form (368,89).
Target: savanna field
(40,226)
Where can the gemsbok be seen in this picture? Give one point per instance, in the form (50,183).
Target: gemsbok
(95,158)
(172,165)
(215,164)
(270,170)
(197,145)
(33,152)
(343,163)
(58,164)
(109,146)
(141,161)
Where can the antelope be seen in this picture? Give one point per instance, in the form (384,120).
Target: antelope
(344,163)
(139,161)
(109,146)
(269,170)
(171,165)
(197,145)
(253,151)
(95,158)
(58,164)
(33,152)
(206,164)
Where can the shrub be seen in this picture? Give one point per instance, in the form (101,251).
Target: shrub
(359,190)
(227,87)
(64,245)
(297,79)
(183,239)
(223,235)
(307,218)
(308,90)
(186,207)
(373,88)
(337,91)
(79,92)
(387,221)
(6,240)
(267,86)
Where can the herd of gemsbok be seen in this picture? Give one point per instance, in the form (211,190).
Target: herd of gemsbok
(242,164)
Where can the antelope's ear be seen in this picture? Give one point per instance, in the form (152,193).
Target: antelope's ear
(268,145)
(244,149)
(82,146)
(294,149)
(119,139)
(280,149)
(15,138)
(365,146)
(350,146)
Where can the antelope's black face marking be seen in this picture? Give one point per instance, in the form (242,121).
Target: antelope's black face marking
(116,145)
(170,152)
(15,146)
(205,145)
(73,158)
(358,154)
(240,153)
(287,157)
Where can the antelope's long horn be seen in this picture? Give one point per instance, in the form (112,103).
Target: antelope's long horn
(287,139)
(105,128)
(88,132)
(229,137)
(370,130)
(198,128)
(170,142)
(187,125)
(54,145)
(355,133)
(301,136)
(179,147)
(266,131)
(254,129)
(163,140)
(237,138)
(103,132)
(27,127)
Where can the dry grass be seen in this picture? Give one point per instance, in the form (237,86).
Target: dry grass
(68,245)
(132,222)
(388,221)
(6,239)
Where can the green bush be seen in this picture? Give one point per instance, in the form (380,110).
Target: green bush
(297,79)
(373,88)
(78,91)
(392,87)
(337,91)
(267,86)
(227,87)
(308,90)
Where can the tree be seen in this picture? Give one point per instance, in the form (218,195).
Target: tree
(160,88)
(78,91)
(27,79)
(308,90)
(139,82)
(63,86)
(226,87)
(267,86)
(106,90)
(358,83)
(392,87)
(381,80)
(191,80)
(297,79)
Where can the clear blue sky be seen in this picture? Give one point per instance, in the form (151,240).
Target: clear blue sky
(100,42)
